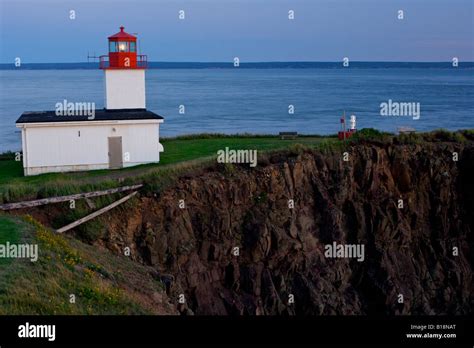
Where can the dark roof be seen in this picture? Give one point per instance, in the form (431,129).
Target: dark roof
(122,35)
(100,115)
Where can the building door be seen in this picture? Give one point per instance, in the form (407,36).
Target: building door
(115,152)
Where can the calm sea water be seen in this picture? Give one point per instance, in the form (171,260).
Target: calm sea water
(256,100)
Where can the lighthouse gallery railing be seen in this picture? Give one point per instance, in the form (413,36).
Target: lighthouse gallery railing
(142,61)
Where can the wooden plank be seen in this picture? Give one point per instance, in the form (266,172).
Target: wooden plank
(89,203)
(96,213)
(29,204)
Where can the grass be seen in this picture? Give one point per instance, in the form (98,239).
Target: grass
(102,283)
(14,186)
(9,232)
(185,153)
(177,150)
(10,170)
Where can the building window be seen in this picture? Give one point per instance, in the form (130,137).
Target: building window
(112,46)
(132,47)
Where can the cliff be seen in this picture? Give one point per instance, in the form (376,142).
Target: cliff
(409,204)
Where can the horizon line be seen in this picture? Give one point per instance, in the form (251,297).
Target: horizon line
(263,62)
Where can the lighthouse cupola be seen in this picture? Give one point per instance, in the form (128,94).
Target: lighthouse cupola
(123,52)
(124,73)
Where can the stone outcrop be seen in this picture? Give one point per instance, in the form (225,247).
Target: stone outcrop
(411,206)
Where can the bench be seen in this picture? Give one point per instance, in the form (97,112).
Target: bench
(288,135)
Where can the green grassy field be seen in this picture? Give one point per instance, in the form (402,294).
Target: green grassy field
(101,282)
(14,186)
(177,150)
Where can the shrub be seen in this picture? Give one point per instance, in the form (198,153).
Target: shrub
(410,138)
(445,135)
(229,169)
(370,134)
(297,149)
(468,134)
(91,231)
(9,155)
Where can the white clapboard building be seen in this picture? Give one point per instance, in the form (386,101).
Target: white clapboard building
(77,137)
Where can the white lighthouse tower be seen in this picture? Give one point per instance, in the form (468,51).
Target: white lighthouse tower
(124,73)
(353,123)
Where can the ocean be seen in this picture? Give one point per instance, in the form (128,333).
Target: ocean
(256,98)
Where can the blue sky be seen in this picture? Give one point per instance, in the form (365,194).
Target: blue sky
(254,30)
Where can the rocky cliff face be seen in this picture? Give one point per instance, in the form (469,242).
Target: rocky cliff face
(410,206)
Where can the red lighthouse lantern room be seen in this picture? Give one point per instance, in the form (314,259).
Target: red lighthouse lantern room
(123,53)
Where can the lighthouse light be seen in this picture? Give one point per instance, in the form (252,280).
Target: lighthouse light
(122,46)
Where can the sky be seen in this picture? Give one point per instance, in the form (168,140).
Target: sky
(253,30)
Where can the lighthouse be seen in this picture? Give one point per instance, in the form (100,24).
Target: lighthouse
(122,134)
(124,73)
(344,134)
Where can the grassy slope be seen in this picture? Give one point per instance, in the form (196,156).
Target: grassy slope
(14,186)
(9,232)
(102,282)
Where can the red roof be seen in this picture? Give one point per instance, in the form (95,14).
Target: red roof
(121,35)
